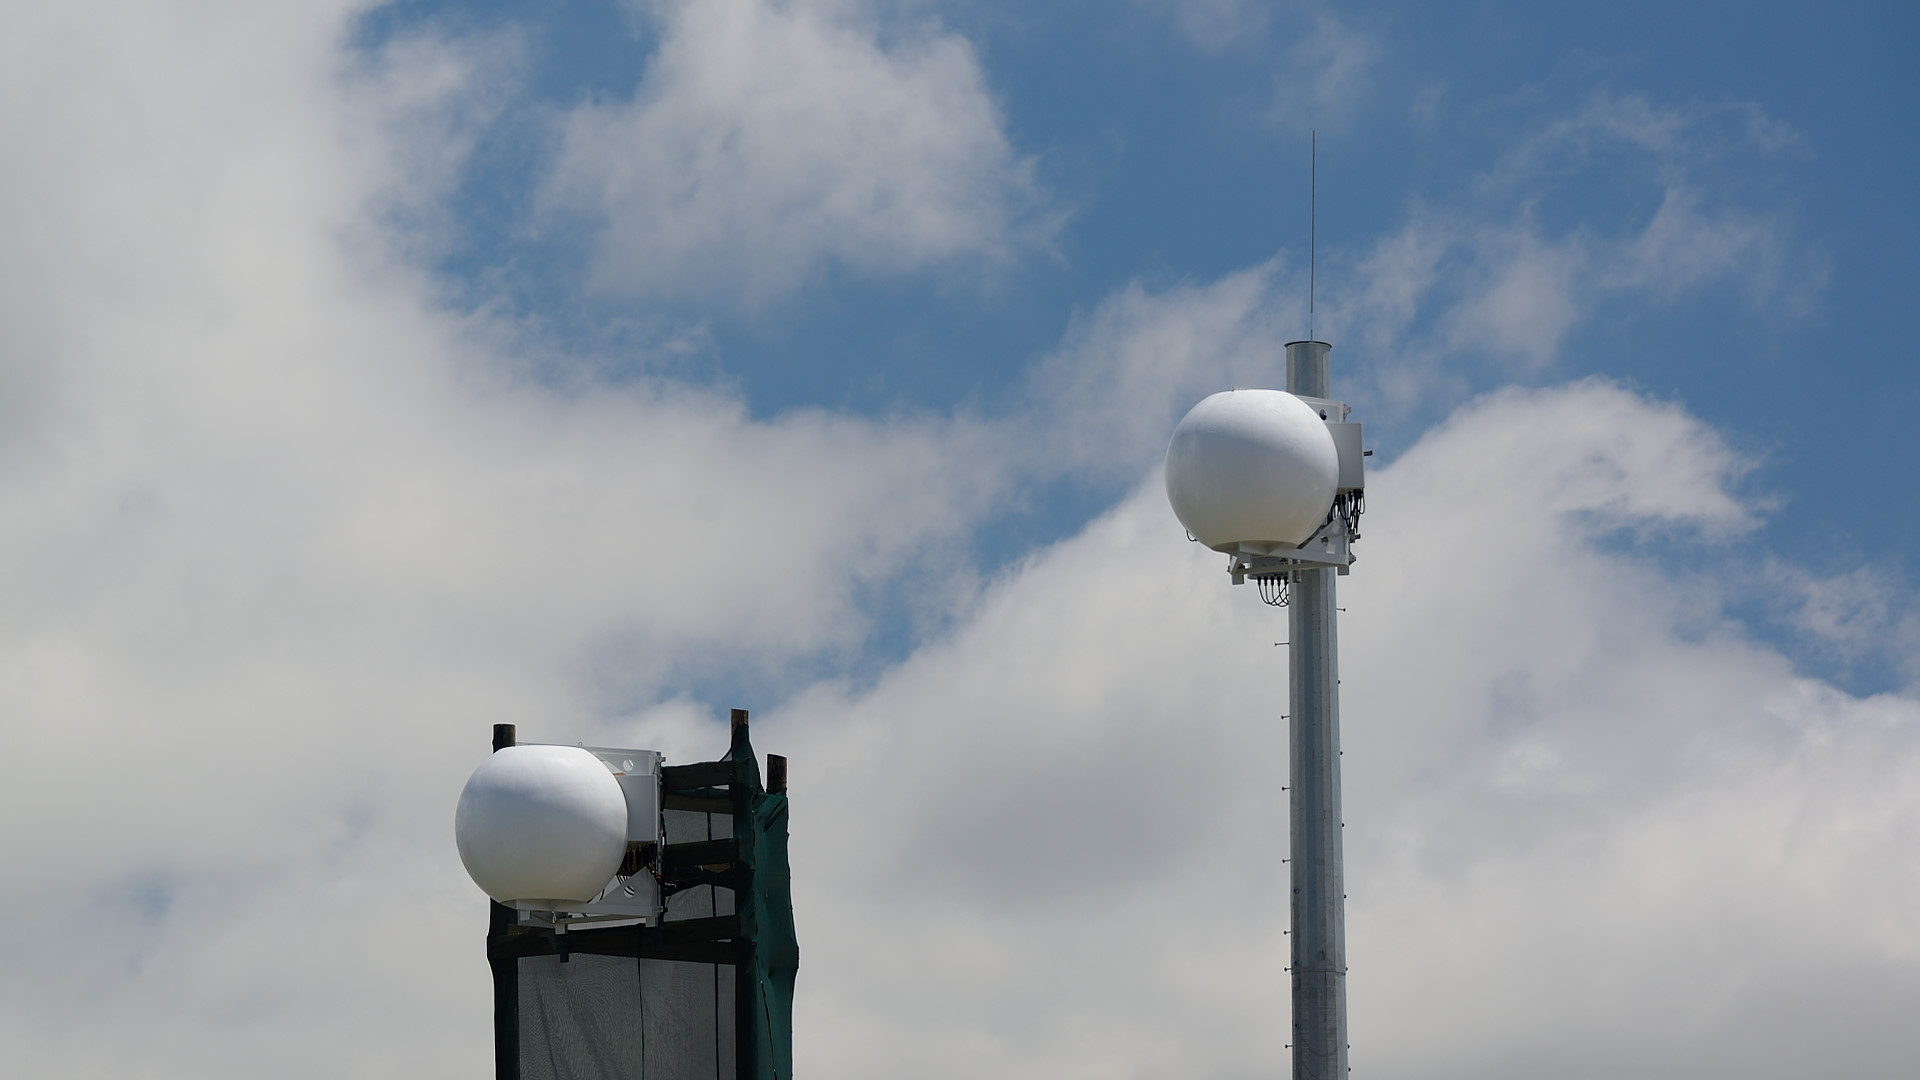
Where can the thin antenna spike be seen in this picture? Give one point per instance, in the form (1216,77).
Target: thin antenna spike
(1313,219)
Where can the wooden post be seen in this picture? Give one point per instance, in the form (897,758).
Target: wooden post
(506,969)
(741,790)
(776,773)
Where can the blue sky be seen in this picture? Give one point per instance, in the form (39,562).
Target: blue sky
(372,374)
(1166,149)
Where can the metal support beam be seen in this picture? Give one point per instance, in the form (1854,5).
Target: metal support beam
(1319,938)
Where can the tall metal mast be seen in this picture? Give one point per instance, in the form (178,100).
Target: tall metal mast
(1276,482)
(1319,954)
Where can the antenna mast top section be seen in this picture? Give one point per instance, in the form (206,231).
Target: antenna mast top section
(1313,218)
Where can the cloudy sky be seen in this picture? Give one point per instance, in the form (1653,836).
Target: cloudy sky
(370,375)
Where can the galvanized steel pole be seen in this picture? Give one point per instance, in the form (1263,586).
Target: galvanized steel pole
(1319,954)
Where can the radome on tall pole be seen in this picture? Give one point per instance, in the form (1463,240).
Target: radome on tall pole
(1275,480)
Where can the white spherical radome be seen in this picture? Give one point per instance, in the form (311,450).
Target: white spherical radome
(1252,466)
(541,823)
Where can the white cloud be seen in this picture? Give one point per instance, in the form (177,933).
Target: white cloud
(1326,75)
(1050,845)
(1496,281)
(1674,136)
(1855,617)
(1125,373)
(415,107)
(1530,291)
(1319,79)
(769,143)
(1217,24)
(1681,246)
(282,539)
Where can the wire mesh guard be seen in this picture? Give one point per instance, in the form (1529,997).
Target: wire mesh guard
(1273,589)
(588,1017)
(593,1017)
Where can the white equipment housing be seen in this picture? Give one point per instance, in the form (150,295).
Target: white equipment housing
(638,894)
(1331,544)
(548,829)
(1275,480)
